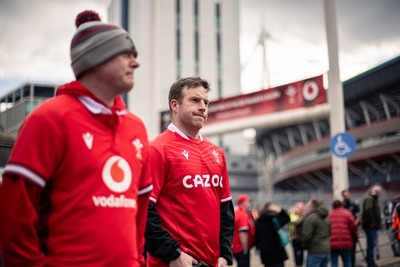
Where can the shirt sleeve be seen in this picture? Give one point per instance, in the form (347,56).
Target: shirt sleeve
(241,222)
(141,218)
(227,225)
(356,209)
(146,181)
(39,147)
(145,187)
(18,209)
(306,231)
(36,153)
(159,242)
(226,192)
(157,171)
(227,214)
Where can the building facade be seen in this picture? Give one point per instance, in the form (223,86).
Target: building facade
(297,157)
(179,38)
(17,103)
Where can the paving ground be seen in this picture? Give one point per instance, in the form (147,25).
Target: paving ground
(386,255)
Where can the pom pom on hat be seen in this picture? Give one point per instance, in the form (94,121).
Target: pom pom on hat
(95,42)
(86,16)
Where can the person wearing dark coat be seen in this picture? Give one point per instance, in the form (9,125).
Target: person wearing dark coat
(371,222)
(315,234)
(266,237)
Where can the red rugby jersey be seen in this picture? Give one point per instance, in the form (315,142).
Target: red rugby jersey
(243,222)
(190,181)
(92,163)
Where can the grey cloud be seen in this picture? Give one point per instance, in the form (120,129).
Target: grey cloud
(360,22)
(368,22)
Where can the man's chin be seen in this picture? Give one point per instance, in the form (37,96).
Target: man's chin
(199,125)
(128,87)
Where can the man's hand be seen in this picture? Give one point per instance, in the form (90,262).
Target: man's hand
(184,260)
(274,207)
(222,262)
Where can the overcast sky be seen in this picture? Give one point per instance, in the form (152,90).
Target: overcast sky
(35,36)
(368,35)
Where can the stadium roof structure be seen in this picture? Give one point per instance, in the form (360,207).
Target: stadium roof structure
(372,115)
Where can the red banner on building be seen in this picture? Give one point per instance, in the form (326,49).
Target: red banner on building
(305,93)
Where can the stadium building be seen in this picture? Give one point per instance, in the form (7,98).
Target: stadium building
(175,39)
(297,157)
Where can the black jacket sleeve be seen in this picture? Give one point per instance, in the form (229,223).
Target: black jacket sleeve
(227,225)
(159,243)
(283,217)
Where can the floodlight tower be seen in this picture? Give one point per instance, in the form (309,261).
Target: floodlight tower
(261,44)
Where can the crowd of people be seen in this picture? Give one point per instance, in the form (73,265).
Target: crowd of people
(84,187)
(319,234)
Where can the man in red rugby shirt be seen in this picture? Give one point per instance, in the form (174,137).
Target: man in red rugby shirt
(191,216)
(75,189)
(243,238)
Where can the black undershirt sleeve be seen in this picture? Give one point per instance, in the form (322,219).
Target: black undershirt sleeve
(159,243)
(227,225)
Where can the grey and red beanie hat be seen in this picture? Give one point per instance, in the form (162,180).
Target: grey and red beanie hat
(95,42)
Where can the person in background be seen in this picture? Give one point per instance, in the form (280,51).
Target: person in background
(355,210)
(315,234)
(296,219)
(343,234)
(390,214)
(351,206)
(389,209)
(395,231)
(243,238)
(267,240)
(191,214)
(371,221)
(76,187)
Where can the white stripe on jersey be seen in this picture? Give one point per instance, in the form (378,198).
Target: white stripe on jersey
(226,199)
(14,168)
(145,190)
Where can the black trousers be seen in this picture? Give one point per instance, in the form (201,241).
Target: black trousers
(353,253)
(243,260)
(298,252)
(275,264)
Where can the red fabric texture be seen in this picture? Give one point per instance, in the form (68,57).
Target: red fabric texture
(343,229)
(76,185)
(243,222)
(190,181)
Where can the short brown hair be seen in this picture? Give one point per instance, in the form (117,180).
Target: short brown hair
(265,209)
(175,92)
(337,203)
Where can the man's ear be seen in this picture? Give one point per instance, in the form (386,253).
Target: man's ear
(173,104)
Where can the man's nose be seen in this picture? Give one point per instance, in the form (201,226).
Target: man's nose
(134,62)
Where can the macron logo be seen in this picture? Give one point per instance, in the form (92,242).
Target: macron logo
(185,153)
(88,138)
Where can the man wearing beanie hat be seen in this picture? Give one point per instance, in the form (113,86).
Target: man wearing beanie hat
(243,237)
(76,187)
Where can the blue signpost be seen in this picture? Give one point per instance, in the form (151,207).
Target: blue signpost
(342,145)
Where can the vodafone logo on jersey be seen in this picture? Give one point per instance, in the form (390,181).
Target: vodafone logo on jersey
(310,90)
(117,174)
